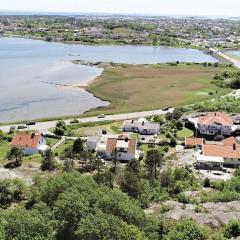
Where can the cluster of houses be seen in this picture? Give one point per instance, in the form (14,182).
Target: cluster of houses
(122,147)
(214,141)
(109,147)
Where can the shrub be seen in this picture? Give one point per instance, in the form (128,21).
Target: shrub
(206,182)
(232,229)
(186,230)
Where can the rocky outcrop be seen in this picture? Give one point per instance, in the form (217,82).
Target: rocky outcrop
(212,214)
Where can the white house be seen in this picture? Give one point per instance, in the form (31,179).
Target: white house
(214,123)
(142,126)
(114,147)
(30,143)
(122,148)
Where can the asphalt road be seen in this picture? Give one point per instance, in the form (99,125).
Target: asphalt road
(43,127)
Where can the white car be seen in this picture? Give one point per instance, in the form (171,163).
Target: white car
(101,116)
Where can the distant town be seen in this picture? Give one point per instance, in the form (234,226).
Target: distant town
(110,29)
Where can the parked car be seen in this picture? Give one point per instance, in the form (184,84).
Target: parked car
(101,116)
(31,123)
(22,127)
(104,132)
(74,121)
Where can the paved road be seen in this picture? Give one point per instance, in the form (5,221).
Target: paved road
(43,127)
(230,59)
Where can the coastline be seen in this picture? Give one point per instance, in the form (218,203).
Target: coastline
(106,43)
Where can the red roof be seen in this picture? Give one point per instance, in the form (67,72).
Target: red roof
(112,143)
(228,148)
(193,141)
(30,140)
(218,117)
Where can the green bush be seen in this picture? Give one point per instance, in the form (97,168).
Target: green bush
(187,230)
(232,230)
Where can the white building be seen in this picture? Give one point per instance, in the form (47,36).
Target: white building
(122,148)
(214,123)
(30,143)
(142,126)
(114,147)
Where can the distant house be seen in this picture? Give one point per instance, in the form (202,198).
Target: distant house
(30,143)
(214,123)
(142,126)
(219,154)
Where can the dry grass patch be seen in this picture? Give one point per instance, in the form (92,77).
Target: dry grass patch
(145,87)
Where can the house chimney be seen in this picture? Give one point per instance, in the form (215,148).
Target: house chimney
(33,135)
(143,123)
(132,121)
(234,146)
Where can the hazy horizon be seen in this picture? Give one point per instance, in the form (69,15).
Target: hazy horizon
(212,8)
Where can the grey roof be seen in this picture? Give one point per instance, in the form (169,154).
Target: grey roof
(140,125)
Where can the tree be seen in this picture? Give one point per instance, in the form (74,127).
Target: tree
(133,166)
(173,142)
(68,165)
(21,224)
(106,178)
(153,162)
(61,127)
(130,182)
(105,226)
(68,210)
(179,125)
(78,146)
(11,191)
(15,154)
(186,230)
(177,113)
(48,162)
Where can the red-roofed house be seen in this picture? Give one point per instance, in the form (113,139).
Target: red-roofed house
(29,143)
(214,123)
(193,142)
(217,154)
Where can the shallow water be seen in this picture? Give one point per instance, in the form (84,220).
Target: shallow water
(31,69)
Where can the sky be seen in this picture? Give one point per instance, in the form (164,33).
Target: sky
(153,7)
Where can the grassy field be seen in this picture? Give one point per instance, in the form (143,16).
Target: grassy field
(4,148)
(61,148)
(185,132)
(112,128)
(144,87)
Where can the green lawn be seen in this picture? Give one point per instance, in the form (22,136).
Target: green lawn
(35,158)
(132,88)
(4,148)
(61,148)
(112,128)
(185,132)
(51,141)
